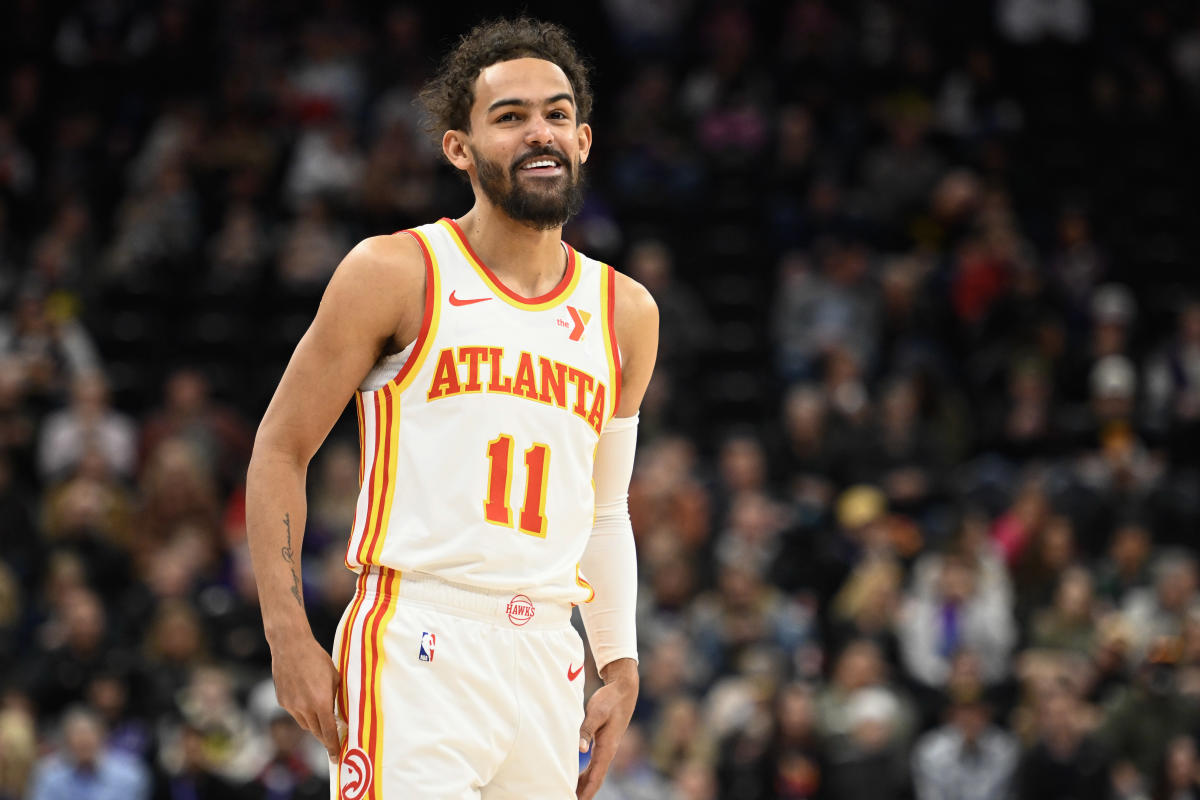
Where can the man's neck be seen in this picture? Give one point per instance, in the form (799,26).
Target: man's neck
(529,262)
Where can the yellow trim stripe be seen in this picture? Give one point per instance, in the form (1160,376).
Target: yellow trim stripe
(434,292)
(390,432)
(501,292)
(581,581)
(362,456)
(608,276)
(392,579)
(375,471)
(349,701)
(369,690)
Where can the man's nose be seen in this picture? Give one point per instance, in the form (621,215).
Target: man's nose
(539,131)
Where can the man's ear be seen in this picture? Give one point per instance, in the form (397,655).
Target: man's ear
(584,134)
(454,146)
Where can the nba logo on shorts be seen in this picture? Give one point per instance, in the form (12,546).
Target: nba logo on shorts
(355,774)
(428,640)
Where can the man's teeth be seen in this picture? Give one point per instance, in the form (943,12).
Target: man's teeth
(537,164)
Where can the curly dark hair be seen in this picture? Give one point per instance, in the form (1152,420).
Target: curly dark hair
(448,96)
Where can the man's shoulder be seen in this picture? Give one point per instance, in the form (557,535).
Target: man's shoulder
(632,299)
(380,265)
(391,251)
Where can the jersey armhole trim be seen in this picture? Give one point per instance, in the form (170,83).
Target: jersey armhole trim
(429,317)
(608,281)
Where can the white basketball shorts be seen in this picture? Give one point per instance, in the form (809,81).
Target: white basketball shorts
(452,693)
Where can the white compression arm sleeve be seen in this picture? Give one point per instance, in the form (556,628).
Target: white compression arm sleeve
(610,561)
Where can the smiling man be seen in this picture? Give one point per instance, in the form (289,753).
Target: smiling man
(497,374)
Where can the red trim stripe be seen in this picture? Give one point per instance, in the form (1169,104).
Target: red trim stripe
(371,504)
(545,298)
(612,335)
(369,555)
(427,316)
(344,655)
(366,688)
(373,507)
(384,589)
(362,436)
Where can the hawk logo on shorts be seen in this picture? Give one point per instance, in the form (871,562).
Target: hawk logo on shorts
(519,609)
(428,640)
(355,774)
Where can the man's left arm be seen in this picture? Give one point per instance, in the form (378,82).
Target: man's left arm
(610,560)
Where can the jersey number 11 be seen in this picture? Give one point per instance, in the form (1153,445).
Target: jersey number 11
(532,519)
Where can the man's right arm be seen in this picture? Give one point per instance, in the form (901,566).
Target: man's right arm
(372,306)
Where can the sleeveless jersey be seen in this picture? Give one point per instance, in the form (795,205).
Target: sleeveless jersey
(478,439)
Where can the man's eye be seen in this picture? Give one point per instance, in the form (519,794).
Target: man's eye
(506,117)
(558,115)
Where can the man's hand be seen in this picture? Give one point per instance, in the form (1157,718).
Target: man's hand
(306,686)
(607,717)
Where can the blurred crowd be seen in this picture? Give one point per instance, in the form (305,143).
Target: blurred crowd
(919,472)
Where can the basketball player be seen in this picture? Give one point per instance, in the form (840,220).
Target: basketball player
(497,374)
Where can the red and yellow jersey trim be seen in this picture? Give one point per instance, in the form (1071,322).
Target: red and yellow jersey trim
(608,294)
(386,408)
(581,581)
(343,701)
(364,633)
(429,318)
(565,287)
(385,404)
(371,719)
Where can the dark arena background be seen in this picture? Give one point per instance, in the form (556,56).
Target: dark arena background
(917,492)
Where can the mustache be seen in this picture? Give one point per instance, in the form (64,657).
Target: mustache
(538,153)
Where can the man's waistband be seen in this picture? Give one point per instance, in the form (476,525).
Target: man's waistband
(504,608)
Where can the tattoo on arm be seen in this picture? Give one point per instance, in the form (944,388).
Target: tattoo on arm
(288,556)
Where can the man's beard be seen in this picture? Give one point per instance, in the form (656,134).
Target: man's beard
(539,209)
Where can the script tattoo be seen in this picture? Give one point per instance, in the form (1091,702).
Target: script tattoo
(287,554)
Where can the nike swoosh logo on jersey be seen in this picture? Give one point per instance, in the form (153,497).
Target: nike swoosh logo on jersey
(454,301)
(573,674)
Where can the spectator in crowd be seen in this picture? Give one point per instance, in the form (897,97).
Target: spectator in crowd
(958,611)
(631,776)
(287,773)
(50,348)
(1070,623)
(966,758)
(1179,778)
(194,779)
(1127,565)
(1158,612)
(1143,717)
(76,644)
(217,434)
(85,769)
(18,752)
(1065,761)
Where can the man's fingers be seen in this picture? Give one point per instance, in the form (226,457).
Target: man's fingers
(593,775)
(328,733)
(589,783)
(593,719)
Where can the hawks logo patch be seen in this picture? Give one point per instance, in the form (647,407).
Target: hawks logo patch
(355,774)
(520,609)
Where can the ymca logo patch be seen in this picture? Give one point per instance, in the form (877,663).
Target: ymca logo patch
(577,323)
(519,609)
(355,774)
(425,650)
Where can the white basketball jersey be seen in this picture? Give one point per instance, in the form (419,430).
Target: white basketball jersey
(478,440)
